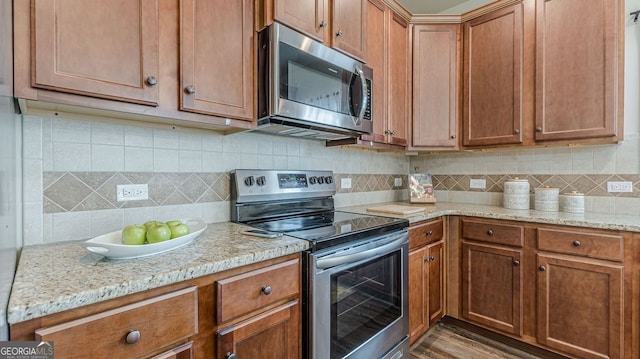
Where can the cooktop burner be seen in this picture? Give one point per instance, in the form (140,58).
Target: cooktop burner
(332,227)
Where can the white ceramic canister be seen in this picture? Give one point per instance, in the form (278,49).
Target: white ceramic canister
(572,202)
(516,194)
(546,199)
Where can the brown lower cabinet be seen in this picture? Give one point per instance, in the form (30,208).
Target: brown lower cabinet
(247,312)
(573,291)
(426,276)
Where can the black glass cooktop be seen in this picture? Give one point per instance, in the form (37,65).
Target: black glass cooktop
(332,228)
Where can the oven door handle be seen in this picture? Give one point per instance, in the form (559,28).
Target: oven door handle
(325,263)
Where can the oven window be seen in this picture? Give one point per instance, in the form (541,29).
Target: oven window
(364,300)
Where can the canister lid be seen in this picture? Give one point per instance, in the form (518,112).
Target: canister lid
(516,179)
(547,188)
(573,193)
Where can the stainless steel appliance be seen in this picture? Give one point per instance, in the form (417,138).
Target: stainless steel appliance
(355,274)
(306,89)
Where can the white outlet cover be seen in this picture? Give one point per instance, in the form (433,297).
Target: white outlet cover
(397,182)
(132,192)
(345,183)
(620,186)
(478,183)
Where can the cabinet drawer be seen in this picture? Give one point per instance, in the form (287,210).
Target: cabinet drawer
(160,321)
(425,233)
(244,293)
(593,245)
(509,234)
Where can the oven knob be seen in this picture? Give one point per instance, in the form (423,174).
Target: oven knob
(320,180)
(328,180)
(261,181)
(313,179)
(249,181)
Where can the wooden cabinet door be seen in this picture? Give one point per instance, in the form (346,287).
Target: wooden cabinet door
(217,58)
(106,48)
(349,24)
(435,275)
(580,306)
(398,87)
(492,286)
(492,72)
(184,351)
(436,54)
(306,16)
(272,334)
(377,30)
(418,284)
(578,68)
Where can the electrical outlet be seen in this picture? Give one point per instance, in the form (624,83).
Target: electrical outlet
(478,183)
(397,182)
(622,186)
(345,183)
(132,192)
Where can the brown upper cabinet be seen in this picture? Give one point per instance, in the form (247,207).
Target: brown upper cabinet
(579,69)
(436,89)
(536,74)
(388,56)
(189,62)
(90,49)
(213,81)
(493,62)
(340,24)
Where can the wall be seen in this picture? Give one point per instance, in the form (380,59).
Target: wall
(586,169)
(72,167)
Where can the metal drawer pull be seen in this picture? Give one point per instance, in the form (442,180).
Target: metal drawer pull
(430,259)
(230,356)
(490,232)
(266,289)
(516,263)
(429,233)
(190,90)
(323,23)
(132,337)
(151,81)
(542,268)
(576,243)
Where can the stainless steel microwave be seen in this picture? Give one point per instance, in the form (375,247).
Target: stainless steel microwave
(306,89)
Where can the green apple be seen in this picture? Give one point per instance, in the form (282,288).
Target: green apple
(134,234)
(158,232)
(174,223)
(148,223)
(179,230)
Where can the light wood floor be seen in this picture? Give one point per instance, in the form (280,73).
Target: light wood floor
(446,341)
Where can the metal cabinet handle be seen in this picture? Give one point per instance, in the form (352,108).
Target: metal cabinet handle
(576,243)
(151,81)
(538,129)
(516,263)
(393,133)
(190,90)
(516,131)
(429,233)
(230,356)
(430,259)
(339,34)
(542,268)
(453,137)
(490,232)
(266,289)
(133,336)
(323,23)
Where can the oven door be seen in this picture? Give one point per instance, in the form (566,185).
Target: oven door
(358,300)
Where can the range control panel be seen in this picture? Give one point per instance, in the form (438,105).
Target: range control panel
(269,185)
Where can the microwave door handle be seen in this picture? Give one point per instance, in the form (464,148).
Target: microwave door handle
(325,263)
(365,98)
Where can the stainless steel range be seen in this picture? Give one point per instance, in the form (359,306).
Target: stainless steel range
(355,274)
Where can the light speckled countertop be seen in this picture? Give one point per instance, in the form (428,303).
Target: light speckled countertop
(57,277)
(589,220)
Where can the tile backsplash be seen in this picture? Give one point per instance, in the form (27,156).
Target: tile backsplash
(71,169)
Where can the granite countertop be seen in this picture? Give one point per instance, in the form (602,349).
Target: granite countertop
(57,277)
(589,220)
